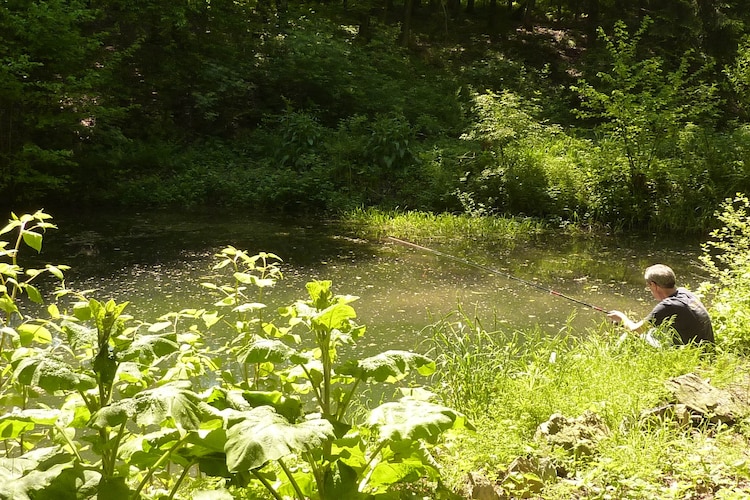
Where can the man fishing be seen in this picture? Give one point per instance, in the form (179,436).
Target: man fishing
(689,317)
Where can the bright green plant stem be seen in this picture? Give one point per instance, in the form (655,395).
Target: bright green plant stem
(268,485)
(162,459)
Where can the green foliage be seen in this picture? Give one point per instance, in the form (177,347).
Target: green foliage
(45,77)
(107,406)
(519,165)
(639,107)
(283,108)
(528,376)
(738,74)
(727,258)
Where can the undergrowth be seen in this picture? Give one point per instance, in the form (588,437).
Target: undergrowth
(521,379)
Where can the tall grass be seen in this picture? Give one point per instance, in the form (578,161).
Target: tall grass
(427,226)
(511,382)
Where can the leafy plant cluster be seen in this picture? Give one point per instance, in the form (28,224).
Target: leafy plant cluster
(99,404)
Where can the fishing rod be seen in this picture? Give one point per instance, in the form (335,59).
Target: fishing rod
(495,271)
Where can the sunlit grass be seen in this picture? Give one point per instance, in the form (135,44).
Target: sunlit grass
(427,226)
(510,383)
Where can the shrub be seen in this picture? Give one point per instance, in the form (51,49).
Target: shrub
(727,259)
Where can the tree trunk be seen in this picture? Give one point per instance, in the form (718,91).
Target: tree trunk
(406,23)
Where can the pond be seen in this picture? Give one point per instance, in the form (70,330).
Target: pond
(157,260)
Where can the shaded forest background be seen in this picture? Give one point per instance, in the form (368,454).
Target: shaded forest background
(632,113)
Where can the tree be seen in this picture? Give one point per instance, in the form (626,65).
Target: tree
(639,106)
(46,77)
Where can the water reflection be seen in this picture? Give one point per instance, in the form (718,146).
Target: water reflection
(157,260)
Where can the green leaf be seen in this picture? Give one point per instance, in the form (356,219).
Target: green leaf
(336,316)
(263,435)
(51,374)
(7,305)
(171,401)
(144,450)
(79,336)
(265,350)
(39,483)
(30,333)
(288,407)
(244,278)
(33,294)
(114,415)
(409,470)
(388,366)
(249,307)
(341,481)
(210,319)
(157,327)
(12,426)
(147,348)
(410,419)
(10,227)
(56,271)
(32,239)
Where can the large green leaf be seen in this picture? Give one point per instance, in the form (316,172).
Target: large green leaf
(409,469)
(51,374)
(336,316)
(33,485)
(115,414)
(341,481)
(79,336)
(33,293)
(144,450)
(265,350)
(173,402)
(410,419)
(45,473)
(263,435)
(388,366)
(16,423)
(12,426)
(147,348)
(288,406)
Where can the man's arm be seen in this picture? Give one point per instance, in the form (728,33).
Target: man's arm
(621,318)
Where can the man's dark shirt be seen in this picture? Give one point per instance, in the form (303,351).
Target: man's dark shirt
(691,320)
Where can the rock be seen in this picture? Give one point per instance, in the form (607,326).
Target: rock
(701,398)
(527,476)
(480,488)
(578,436)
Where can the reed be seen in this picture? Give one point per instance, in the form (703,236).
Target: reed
(427,226)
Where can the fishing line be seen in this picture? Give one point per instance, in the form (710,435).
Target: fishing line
(495,271)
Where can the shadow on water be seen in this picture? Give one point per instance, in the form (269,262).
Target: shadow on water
(156,261)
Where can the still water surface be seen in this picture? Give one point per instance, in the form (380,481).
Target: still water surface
(156,261)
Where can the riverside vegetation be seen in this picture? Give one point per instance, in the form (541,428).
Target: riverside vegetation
(98,403)
(633,114)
